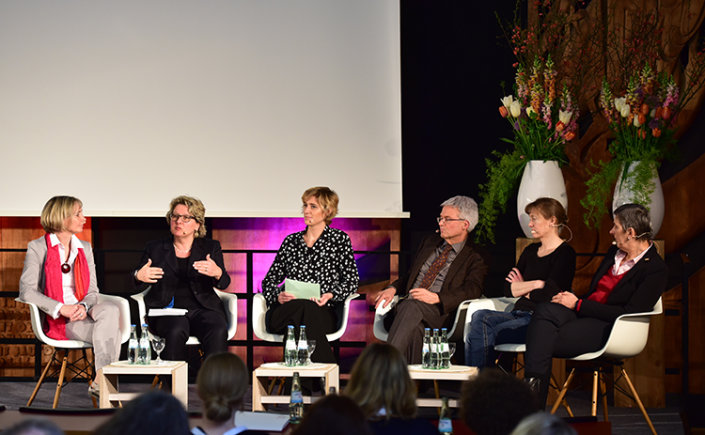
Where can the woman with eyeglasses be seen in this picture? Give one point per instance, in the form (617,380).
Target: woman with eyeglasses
(181,272)
(318,255)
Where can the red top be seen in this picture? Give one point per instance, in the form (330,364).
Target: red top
(605,286)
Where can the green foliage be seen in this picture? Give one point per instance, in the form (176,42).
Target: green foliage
(502,180)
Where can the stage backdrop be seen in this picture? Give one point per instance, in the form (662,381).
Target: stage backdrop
(243,104)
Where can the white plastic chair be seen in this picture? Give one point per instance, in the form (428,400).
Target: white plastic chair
(627,339)
(259,327)
(229,301)
(61,347)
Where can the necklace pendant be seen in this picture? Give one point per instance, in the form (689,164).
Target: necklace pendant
(65,268)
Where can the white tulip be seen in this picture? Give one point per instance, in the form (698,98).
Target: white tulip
(529,111)
(515,109)
(507,101)
(564,116)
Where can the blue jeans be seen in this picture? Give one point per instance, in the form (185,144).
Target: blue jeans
(489,327)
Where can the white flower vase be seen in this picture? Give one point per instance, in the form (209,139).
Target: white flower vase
(541,179)
(624,194)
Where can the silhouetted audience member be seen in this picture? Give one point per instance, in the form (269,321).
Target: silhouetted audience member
(333,415)
(543,423)
(380,384)
(494,403)
(33,426)
(222,383)
(152,413)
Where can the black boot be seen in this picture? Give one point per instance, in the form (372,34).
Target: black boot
(535,384)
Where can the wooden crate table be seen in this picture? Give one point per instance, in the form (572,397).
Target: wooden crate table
(108,380)
(329,372)
(454,373)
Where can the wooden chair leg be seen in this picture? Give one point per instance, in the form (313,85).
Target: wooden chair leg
(554,384)
(595,382)
(41,379)
(603,392)
(561,395)
(638,401)
(60,382)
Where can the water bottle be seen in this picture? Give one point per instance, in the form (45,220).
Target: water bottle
(445,424)
(145,352)
(296,401)
(290,347)
(302,348)
(132,345)
(445,349)
(426,349)
(433,361)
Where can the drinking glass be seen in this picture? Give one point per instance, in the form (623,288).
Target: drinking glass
(158,344)
(451,350)
(311,348)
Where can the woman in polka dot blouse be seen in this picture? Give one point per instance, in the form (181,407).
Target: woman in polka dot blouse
(319,254)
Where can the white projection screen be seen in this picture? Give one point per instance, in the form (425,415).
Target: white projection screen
(241,103)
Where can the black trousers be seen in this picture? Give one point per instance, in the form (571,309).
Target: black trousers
(209,326)
(410,317)
(558,331)
(319,321)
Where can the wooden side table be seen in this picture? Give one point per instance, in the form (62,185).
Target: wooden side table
(454,373)
(108,380)
(329,372)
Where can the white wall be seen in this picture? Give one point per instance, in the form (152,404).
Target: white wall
(244,104)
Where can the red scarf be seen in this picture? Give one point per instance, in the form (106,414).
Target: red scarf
(53,285)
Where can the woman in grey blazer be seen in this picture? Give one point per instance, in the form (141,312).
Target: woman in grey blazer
(59,277)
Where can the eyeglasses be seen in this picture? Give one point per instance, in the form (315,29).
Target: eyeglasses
(185,218)
(440,219)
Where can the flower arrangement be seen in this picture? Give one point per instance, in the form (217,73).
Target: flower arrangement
(642,119)
(542,120)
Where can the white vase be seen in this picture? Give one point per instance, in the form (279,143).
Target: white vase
(540,179)
(624,194)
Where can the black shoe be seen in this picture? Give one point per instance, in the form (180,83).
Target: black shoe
(534,384)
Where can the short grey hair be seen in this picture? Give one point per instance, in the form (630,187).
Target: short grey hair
(635,216)
(543,423)
(466,206)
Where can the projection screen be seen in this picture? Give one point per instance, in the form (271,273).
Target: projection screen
(243,104)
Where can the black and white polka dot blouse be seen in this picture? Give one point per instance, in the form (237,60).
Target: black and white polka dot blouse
(329,262)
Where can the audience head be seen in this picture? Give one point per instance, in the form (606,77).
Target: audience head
(152,413)
(548,208)
(33,426)
(467,208)
(635,216)
(493,403)
(543,423)
(326,198)
(380,381)
(195,208)
(333,415)
(222,383)
(56,211)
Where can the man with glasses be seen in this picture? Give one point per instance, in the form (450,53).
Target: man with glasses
(446,271)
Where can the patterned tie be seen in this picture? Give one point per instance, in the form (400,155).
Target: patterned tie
(435,267)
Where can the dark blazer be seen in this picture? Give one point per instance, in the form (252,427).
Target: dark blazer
(162,254)
(463,281)
(637,292)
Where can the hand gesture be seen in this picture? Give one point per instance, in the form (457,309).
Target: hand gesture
(385,297)
(149,274)
(514,276)
(208,267)
(285,297)
(423,295)
(567,299)
(73,312)
(325,297)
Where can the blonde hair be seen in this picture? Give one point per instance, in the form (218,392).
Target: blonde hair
(222,383)
(56,211)
(380,379)
(326,198)
(195,209)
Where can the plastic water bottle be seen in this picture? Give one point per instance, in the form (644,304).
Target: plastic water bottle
(433,361)
(145,352)
(445,424)
(296,402)
(445,349)
(426,349)
(302,348)
(290,347)
(132,345)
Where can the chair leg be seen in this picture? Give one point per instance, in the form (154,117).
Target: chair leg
(554,384)
(595,382)
(59,384)
(603,392)
(638,402)
(41,379)
(561,395)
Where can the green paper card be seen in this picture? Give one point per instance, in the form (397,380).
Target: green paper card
(302,290)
